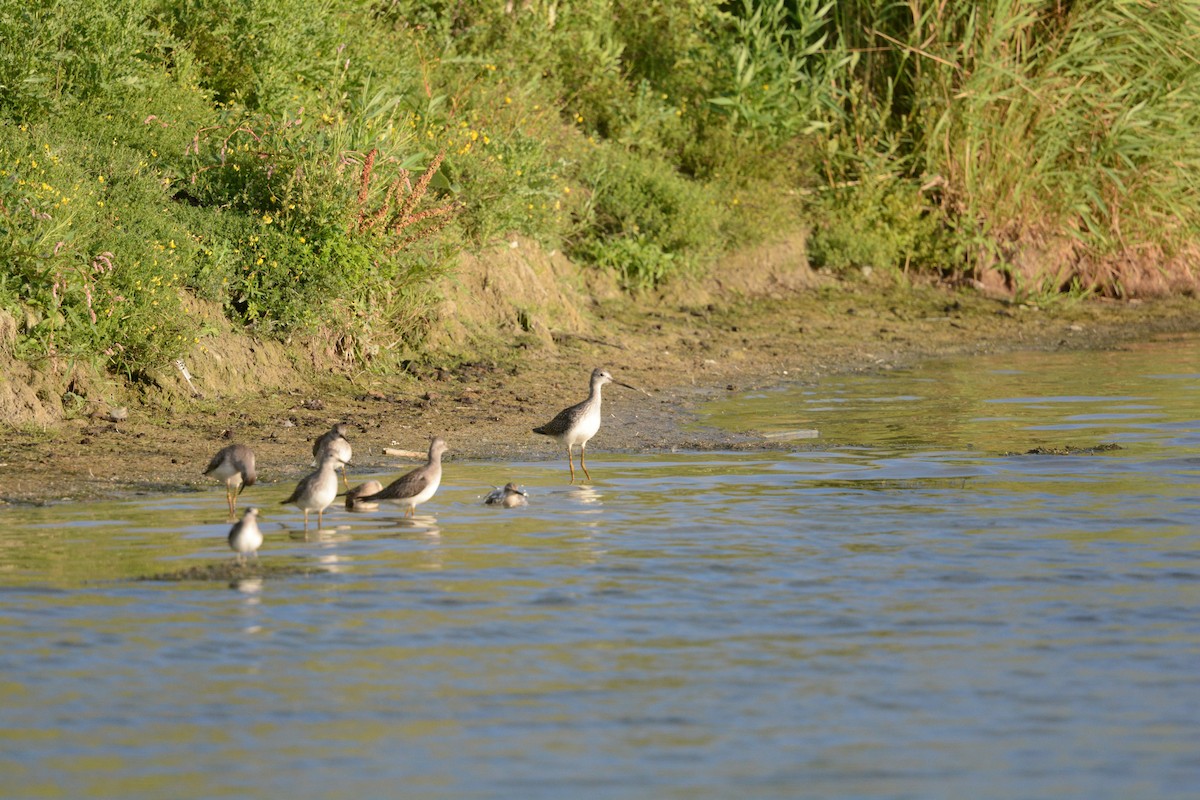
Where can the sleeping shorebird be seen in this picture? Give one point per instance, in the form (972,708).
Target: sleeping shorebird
(416,487)
(316,491)
(354,496)
(579,423)
(245,537)
(234,466)
(334,442)
(509,496)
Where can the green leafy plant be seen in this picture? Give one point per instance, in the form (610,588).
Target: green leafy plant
(647,215)
(778,68)
(639,263)
(878,222)
(90,267)
(151,148)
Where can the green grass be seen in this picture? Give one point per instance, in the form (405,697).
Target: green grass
(150,148)
(1035,120)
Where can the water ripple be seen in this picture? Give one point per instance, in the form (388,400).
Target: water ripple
(913,614)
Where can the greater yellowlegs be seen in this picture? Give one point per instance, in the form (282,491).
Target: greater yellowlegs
(510,497)
(316,491)
(579,423)
(416,487)
(354,496)
(245,537)
(334,442)
(234,466)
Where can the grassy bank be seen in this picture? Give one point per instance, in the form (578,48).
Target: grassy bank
(313,166)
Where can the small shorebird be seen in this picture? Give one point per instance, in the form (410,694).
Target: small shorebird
(416,487)
(579,423)
(245,537)
(334,442)
(509,497)
(353,497)
(316,491)
(234,465)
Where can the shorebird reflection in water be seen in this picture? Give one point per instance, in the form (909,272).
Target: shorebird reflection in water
(510,496)
(234,466)
(416,487)
(334,442)
(579,423)
(245,537)
(316,491)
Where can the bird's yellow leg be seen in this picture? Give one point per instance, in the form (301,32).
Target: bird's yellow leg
(582,463)
(571,463)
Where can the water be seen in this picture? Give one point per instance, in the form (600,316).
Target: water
(906,613)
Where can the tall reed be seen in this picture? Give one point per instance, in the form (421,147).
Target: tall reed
(1072,119)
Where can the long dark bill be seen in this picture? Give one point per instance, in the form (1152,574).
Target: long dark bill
(636,389)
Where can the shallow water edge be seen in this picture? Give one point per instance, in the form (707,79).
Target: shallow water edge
(684,356)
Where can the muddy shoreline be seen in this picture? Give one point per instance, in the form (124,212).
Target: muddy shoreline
(681,353)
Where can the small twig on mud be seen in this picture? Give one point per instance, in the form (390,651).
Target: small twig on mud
(187,377)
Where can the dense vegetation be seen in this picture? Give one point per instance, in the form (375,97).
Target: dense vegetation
(310,165)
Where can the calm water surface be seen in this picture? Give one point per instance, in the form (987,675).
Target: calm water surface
(906,612)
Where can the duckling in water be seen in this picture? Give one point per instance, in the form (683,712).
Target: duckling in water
(508,497)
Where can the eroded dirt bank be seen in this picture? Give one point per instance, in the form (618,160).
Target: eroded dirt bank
(723,336)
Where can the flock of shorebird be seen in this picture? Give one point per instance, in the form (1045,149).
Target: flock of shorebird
(234,466)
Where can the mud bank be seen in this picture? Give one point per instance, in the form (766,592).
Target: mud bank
(519,335)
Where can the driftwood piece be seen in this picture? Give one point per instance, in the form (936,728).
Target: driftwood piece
(392,451)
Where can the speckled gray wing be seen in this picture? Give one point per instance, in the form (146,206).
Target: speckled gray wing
(563,422)
(225,454)
(409,485)
(238,456)
(304,487)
